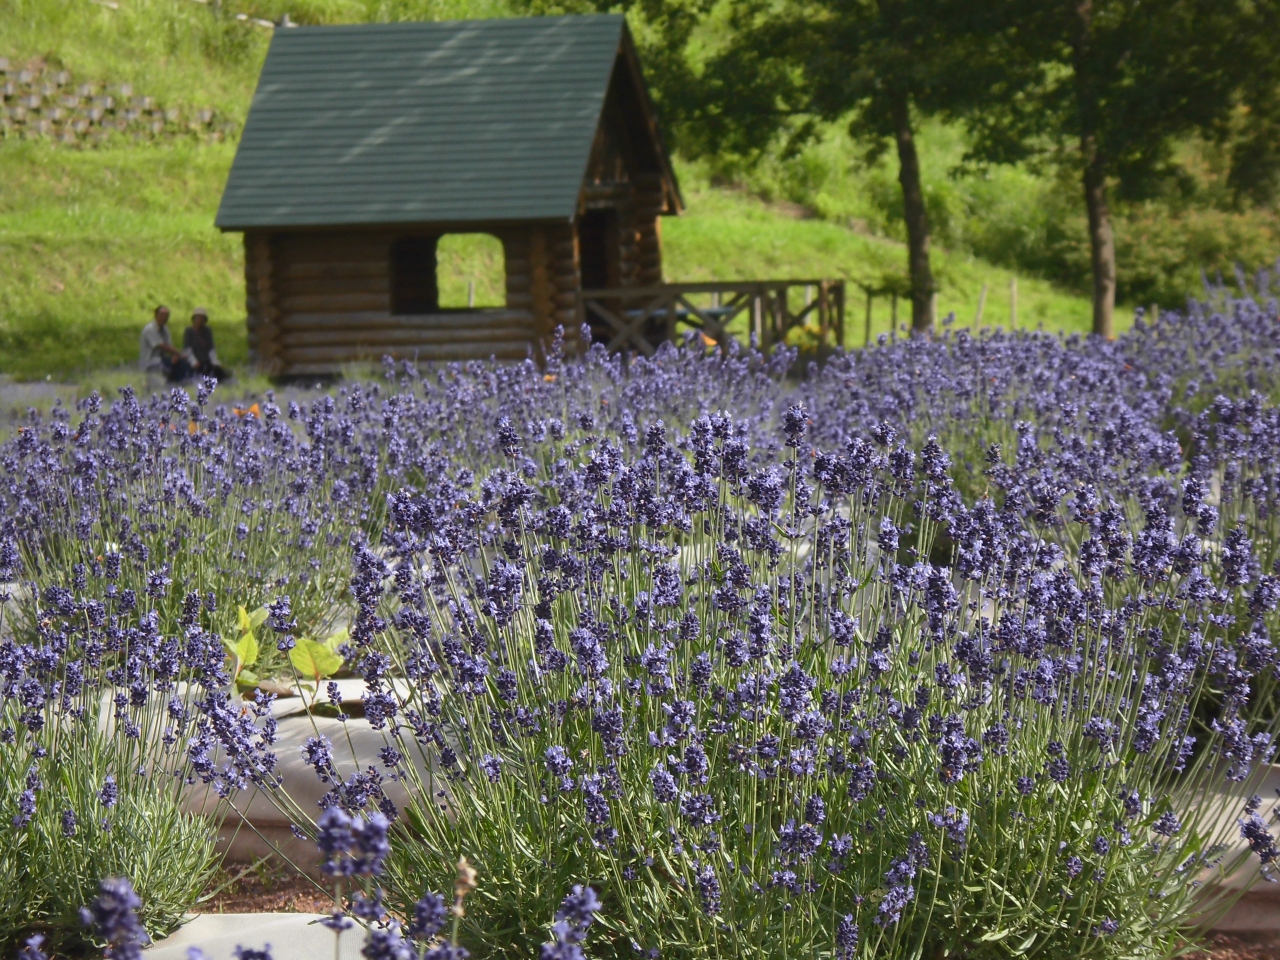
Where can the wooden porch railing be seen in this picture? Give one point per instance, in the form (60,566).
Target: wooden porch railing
(640,318)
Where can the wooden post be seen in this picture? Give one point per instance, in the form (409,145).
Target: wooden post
(982,302)
(893,316)
(866,335)
(839,298)
(757,321)
(1013,303)
(824,310)
(782,315)
(1155,313)
(471,294)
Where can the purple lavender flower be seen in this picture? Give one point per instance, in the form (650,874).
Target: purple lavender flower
(113,917)
(387,944)
(558,762)
(575,915)
(430,914)
(31,949)
(709,892)
(846,938)
(664,785)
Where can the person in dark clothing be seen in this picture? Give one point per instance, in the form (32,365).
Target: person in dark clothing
(197,345)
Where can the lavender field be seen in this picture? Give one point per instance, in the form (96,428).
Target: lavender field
(952,647)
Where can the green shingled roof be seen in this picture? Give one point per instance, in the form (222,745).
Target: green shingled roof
(451,122)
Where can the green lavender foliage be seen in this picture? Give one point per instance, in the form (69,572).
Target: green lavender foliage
(107,803)
(1002,885)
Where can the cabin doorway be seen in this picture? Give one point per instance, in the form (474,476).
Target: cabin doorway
(598,249)
(598,260)
(414,289)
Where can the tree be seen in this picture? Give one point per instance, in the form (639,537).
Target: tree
(1117,85)
(882,64)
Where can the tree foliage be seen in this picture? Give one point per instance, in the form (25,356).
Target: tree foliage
(1103,90)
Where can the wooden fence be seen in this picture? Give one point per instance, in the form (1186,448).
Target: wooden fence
(640,318)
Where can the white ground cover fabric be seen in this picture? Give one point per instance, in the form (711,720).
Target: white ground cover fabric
(264,827)
(292,936)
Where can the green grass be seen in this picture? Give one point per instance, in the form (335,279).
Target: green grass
(93,239)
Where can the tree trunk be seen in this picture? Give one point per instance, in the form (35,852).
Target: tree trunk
(1102,244)
(917,218)
(1102,248)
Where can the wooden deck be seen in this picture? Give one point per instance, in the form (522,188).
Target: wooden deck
(640,318)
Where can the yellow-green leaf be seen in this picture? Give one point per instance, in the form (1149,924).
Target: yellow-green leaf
(313,659)
(247,621)
(246,650)
(337,639)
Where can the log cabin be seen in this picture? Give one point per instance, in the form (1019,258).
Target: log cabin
(367,144)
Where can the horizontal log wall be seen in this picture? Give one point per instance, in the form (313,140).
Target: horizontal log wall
(649,204)
(319,300)
(260,303)
(562,266)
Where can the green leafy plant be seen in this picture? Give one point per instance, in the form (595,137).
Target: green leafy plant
(315,660)
(244,649)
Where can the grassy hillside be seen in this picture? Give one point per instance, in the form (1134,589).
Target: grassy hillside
(93,238)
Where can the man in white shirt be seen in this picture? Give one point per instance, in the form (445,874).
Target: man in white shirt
(156,353)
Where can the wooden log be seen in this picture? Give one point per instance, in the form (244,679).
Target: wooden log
(363,337)
(333,287)
(306,270)
(337,303)
(648,251)
(462,321)
(504,350)
(355,332)
(261,307)
(324,367)
(339,246)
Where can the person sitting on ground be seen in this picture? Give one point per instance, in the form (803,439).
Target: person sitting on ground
(197,346)
(156,352)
